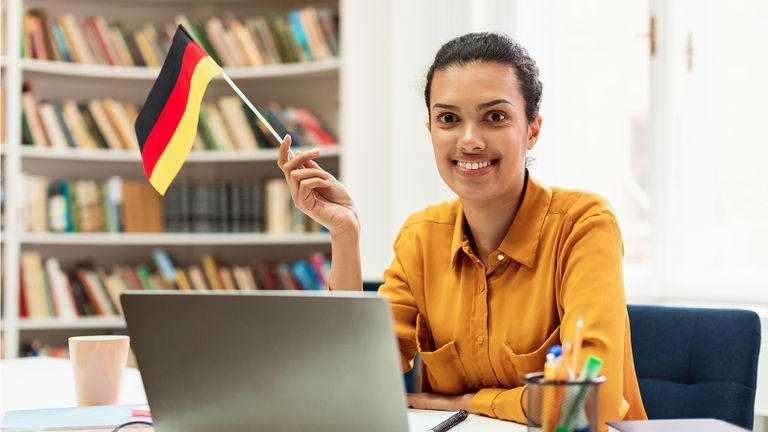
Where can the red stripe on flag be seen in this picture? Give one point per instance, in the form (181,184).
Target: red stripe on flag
(171,115)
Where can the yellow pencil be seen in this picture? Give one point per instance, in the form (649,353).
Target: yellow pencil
(576,348)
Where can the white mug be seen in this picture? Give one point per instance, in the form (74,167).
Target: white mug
(97,364)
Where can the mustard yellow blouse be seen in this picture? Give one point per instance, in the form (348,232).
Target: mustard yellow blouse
(482,329)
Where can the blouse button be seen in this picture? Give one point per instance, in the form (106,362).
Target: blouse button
(480,340)
(500,256)
(482,288)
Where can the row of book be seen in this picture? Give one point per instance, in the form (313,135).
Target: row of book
(132,206)
(301,35)
(226,124)
(49,291)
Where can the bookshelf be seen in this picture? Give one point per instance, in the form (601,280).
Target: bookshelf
(42,67)
(314,85)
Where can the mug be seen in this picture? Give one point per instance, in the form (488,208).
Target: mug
(97,364)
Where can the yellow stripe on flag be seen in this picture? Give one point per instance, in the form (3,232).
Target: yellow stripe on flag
(177,150)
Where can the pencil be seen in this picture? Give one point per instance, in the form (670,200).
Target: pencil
(577,348)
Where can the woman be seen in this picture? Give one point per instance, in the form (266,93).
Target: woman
(482,286)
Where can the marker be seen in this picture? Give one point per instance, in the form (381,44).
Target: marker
(589,373)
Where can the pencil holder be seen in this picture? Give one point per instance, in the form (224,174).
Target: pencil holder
(562,406)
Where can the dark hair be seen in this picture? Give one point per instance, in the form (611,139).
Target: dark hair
(494,48)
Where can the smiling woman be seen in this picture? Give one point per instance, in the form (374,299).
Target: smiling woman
(482,286)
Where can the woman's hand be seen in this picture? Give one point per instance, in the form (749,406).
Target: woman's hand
(431,401)
(317,193)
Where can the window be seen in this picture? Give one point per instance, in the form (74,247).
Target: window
(674,139)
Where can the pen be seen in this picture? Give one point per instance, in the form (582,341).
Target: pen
(450,422)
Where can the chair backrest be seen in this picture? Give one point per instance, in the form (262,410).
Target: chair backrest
(696,363)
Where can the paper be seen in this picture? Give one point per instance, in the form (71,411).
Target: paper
(94,416)
(422,421)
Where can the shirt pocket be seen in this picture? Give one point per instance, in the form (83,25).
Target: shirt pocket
(443,367)
(517,365)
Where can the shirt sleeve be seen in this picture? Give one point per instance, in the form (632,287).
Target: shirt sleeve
(506,404)
(404,310)
(593,289)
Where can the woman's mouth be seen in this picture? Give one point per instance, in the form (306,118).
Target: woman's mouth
(474,168)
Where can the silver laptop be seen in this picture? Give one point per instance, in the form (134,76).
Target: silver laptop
(267,361)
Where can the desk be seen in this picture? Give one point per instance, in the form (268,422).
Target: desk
(42,382)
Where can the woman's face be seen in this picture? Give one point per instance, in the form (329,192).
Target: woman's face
(479,130)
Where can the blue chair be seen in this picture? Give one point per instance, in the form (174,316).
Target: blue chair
(412,378)
(696,363)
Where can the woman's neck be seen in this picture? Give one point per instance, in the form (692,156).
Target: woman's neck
(489,221)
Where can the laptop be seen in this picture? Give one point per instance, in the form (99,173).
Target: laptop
(267,360)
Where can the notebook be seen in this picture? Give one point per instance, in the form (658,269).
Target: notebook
(79,417)
(677,425)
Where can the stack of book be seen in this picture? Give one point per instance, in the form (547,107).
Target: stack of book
(301,35)
(132,206)
(226,124)
(48,291)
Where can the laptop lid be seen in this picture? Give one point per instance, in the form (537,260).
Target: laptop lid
(267,360)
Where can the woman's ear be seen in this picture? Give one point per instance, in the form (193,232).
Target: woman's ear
(534,128)
(428,124)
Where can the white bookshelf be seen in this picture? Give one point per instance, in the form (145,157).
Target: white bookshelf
(173,239)
(41,67)
(315,85)
(196,156)
(91,322)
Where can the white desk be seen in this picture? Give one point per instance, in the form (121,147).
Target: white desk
(35,383)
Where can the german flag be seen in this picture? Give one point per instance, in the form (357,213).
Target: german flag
(167,123)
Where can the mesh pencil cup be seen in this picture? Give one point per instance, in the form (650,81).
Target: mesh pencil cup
(556,406)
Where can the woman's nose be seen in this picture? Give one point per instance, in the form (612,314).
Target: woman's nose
(470,140)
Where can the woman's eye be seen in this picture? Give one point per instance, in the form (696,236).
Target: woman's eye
(496,116)
(447,118)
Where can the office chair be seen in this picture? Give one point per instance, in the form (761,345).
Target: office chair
(411,378)
(696,363)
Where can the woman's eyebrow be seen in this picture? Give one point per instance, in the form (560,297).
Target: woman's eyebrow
(446,106)
(485,105)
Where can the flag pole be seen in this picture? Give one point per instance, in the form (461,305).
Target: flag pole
(253,108)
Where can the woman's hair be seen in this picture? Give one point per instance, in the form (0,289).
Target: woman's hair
(494,48)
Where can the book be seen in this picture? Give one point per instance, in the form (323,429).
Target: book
(76,39)
(104,125)
(675,425)
(231,108)
(34,119)
(58,108)
(106,416)
(33,286)
(209,266)
(53,128)
(63,297)
(76,125)
(94,291)
(197,278)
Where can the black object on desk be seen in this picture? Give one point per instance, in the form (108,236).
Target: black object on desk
(450,422)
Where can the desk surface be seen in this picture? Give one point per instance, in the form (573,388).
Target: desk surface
(36,383)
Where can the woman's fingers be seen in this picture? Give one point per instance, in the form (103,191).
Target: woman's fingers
(300,160)
(306,199)
(283,153)
(296,177)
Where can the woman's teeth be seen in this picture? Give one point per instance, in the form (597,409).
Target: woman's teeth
(472,165)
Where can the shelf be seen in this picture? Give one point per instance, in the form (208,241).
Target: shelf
(196,156)
(93,322)
(146,73)
(174,239)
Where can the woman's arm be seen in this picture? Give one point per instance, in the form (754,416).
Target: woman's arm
(320,196)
